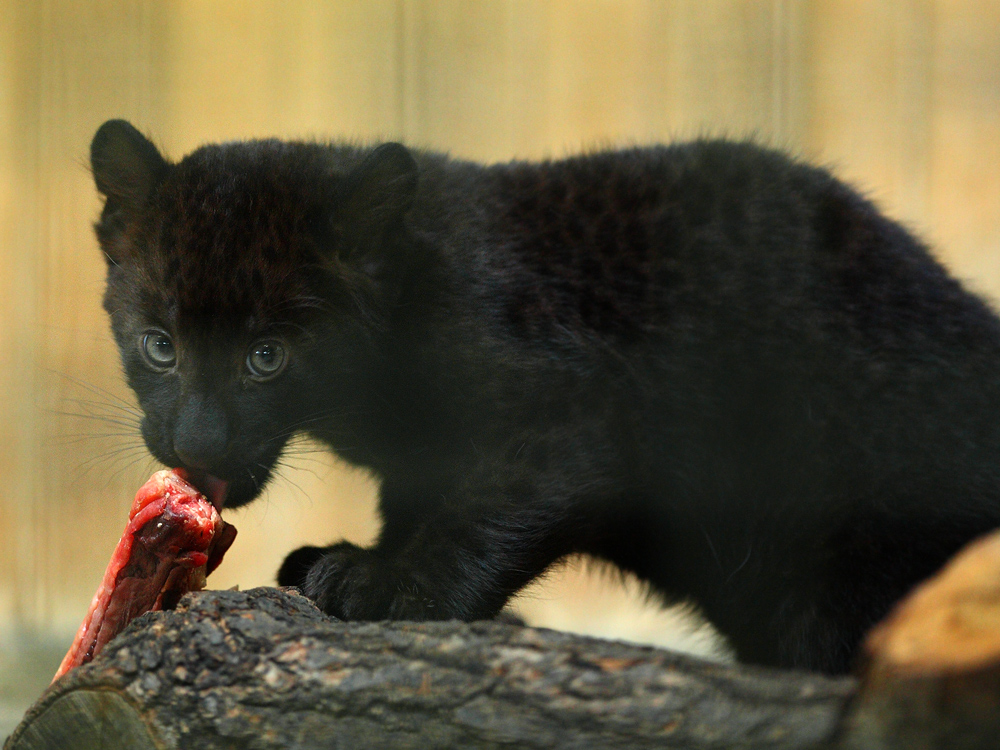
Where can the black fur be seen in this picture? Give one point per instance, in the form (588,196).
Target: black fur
(717,368)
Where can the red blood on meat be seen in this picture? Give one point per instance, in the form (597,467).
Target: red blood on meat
(174,538)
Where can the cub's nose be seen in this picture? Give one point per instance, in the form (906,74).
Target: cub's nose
(201,432)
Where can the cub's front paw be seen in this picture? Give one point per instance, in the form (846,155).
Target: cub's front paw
(355,584)
(296,566)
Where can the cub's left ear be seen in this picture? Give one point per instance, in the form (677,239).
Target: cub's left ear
(378,194)
(126,165)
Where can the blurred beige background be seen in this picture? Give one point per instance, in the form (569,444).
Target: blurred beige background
(901,98)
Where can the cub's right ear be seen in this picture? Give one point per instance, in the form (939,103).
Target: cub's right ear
(126,164)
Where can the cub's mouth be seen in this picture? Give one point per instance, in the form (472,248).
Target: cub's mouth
(229,493)
(215,489)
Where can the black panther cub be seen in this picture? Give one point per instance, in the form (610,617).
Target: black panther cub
(714,367)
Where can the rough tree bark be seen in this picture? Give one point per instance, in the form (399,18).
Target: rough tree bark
(265,669)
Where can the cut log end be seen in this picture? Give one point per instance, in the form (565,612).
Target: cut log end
(87,720)
(951,622)
(932,669)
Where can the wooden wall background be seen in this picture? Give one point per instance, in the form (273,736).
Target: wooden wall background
(902,98)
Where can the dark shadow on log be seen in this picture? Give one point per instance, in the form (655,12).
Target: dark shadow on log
(265,669)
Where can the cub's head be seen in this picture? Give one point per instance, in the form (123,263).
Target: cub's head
(247,287)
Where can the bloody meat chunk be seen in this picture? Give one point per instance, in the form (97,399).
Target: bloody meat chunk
(174,538)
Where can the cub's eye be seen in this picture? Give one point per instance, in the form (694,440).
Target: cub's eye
(158,350)
(266,359)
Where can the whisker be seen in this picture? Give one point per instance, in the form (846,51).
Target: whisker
(300,425)
(253,479)
(91,403)
(315,417)
(129,455)
(133,426)
(116,450)
(306,469)
(74,438)
(307,453)
(129,465)
(97,391)
(284,478)
(306,456)
(89,412)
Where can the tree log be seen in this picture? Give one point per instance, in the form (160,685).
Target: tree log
(931,677)
(265,669)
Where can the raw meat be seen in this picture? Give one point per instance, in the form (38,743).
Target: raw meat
(174,538)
